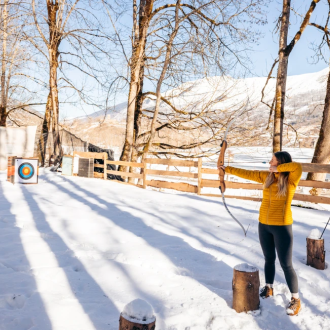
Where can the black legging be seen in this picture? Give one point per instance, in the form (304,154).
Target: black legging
(281,239)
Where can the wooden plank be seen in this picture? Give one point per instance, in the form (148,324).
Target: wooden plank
(172,173)
(105,166)
(181,186)
(99,165)
(127,174)
(117,162)
(316,168)
(95,155)
(258,186)
(314,184)
(210,171)
(233,185)
(306,167)
(98,175)
(249,198)
(311,199)
(172,162)
(296,197)
(144,175)
(199,185)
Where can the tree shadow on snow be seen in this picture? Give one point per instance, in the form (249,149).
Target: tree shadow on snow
(21,304)
(73,268)
(214,275)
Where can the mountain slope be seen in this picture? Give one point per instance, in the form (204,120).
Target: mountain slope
(305,96)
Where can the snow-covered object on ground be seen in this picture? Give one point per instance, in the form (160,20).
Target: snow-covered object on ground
(139,311)
(314,234)
(244,267)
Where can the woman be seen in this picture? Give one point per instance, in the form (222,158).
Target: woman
(275,220)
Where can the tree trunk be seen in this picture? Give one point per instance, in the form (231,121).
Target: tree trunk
(245,291)
(3,102)
(322,149)
(49,137)
(161,79)
(136,63)
(138,119)
(282,73)
(3,116)
(315,253)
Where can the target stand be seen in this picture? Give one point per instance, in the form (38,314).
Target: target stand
(22,170)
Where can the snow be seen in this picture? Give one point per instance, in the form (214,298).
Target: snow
(289,311)
(75,251)
(245,268)
(314,234)
(138,310)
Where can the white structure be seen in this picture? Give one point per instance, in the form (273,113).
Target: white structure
(16,141)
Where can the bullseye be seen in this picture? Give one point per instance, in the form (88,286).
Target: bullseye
(26,171)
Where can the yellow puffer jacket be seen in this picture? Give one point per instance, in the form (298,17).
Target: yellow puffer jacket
(274,210)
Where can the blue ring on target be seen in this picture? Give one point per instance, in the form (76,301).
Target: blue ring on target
(25,171)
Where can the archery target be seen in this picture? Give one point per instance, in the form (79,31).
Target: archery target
(26,171)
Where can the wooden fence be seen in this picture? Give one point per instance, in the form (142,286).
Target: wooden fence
(197,174)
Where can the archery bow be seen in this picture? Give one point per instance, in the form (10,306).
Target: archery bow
(221,162)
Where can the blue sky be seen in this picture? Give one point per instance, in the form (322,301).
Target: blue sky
(301,57)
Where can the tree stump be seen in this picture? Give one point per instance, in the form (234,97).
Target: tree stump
(246,288)
(129,325)
(137,315)
(315,253)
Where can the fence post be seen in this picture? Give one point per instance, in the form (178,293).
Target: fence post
(105,166)
(199,187)
(144,174)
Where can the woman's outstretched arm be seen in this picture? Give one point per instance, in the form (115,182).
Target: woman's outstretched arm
(295,170)
(257,176)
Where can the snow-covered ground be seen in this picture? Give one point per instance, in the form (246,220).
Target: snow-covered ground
(75,251)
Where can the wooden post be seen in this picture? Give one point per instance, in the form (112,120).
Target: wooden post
(199,187)
(144,175)
(137,315)
(11,169)
(315,253)
(105,156)
(245,288)
(129,325)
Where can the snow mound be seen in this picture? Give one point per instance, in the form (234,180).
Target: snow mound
(314,234)
(139,310)
(245,268)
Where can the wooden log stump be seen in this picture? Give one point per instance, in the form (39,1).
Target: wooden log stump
(246,288)
(129,325)
(137,315)
(315,253)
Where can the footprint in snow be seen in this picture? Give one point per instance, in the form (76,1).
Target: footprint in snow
(77,268)
(15,301)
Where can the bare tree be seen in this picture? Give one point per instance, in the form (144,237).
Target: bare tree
(15,82)
(282,72)
(69,36)
(218,22)
(322,148)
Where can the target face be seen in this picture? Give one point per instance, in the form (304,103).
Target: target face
(26,171)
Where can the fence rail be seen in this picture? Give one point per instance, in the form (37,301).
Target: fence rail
(196,172)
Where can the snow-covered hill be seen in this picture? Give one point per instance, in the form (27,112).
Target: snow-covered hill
(305,96)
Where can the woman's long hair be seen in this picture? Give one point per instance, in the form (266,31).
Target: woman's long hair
(282,184)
